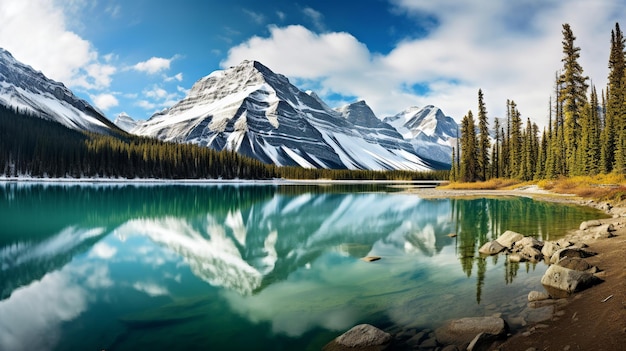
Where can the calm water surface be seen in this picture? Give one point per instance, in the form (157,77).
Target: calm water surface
(129,267)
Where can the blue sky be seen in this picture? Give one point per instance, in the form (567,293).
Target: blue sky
(140,56)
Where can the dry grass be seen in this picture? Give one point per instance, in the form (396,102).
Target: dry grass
(491,184)
(607,187)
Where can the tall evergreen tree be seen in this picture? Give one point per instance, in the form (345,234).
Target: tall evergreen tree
(515,141)
(469,156)
(484,143)
(453,169)
(613,151)
(573,94)
(495,155)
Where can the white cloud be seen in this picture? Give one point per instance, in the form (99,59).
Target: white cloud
(281,15)
(36,33)
(154,65)
(177,77)
(103,250)
(316,17)
(509,50)
(254,16)
(151,289)
(146,105)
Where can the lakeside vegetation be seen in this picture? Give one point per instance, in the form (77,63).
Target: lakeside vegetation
(585,136)
(34,147)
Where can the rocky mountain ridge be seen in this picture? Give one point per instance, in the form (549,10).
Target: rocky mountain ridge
(258,113)
(22,88)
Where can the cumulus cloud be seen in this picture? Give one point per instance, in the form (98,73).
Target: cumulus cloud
(105,101)
(509,50)
(153,65)
(156,97)
(42,40)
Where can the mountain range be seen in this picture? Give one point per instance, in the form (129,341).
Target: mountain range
(30,92)
(258,113)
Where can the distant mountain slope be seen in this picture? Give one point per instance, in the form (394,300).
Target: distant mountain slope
(429,130)
(23,88)
(252,110)
(125,122)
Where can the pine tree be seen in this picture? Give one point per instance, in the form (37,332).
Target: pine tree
(613,139)
(483,138)
(469,156)
(515,141)
(495,155)
(573,95)
(453,169)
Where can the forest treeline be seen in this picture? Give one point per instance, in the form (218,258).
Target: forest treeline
(586,133)
(34,147)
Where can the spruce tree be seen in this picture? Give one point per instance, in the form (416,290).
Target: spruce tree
(515,141)
(469,157)
(573,95)
(483,138)
(495,155)
(613,139)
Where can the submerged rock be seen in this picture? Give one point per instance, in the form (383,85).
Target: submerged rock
(537,296)
(464,330)
(361,337)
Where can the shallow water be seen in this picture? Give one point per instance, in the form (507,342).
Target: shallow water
(126,267)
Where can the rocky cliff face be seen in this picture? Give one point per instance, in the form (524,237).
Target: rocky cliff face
(27,90)
(429,130)
(258,113)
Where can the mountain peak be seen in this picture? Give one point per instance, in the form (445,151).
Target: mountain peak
(252,110)
(26,89)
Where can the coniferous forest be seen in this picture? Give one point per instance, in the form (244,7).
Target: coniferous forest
(34,147)
(585,135)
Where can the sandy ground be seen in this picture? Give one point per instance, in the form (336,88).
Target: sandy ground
(594,319)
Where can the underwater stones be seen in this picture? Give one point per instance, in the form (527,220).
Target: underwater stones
(464,330)
(362,336)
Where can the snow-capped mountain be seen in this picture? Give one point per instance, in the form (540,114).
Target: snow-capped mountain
(429,130)
(125,122)
(258,113)
(30,91)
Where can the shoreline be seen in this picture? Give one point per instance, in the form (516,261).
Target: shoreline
(592,319)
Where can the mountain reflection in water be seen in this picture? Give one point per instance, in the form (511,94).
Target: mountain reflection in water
(278,258)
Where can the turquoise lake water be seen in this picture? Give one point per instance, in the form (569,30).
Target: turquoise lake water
(251,267)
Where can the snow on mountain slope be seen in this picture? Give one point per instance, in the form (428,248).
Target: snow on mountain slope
(125,122)
(429,130)
(23,88)
(258,113)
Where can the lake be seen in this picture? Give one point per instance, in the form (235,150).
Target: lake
(240,267)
